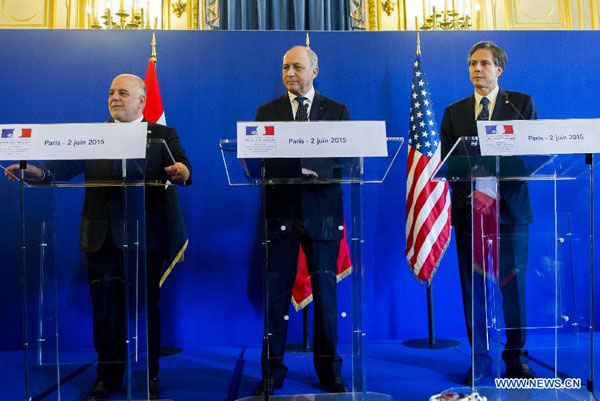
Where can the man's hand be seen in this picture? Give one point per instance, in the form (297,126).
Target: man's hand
(178,172)
(307,173)
(31,173)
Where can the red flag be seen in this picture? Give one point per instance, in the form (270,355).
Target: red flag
(153,111)
(427,201)
(485,231)
(302,292)
(177,237)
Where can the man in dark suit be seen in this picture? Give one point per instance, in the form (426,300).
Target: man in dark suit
(311,215)
(102,237)
(486,63)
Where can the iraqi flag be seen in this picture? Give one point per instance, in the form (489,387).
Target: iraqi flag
(485,230)
(302,291)
(153,111)
(175,232)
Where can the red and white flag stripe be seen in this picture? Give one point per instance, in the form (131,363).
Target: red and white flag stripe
(153,111)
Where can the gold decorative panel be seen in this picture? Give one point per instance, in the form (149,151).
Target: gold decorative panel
(538,14)
(26,13)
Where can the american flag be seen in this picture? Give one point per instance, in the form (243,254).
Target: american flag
(427,202)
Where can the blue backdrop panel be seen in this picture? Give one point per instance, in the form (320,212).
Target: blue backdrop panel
(210,80)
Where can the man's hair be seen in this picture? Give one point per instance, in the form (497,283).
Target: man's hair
(139,81)
(500,57)
(312,56)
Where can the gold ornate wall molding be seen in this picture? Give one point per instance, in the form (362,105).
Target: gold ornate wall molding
(595,13)
(358,16)
(364,14)
(212,14)
(538,14)
(372,14)
(27,13)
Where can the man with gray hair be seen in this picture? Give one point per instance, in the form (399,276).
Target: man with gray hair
(310,215)
(101,235)
(486,64)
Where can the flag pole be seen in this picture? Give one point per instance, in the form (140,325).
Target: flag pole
(153,44)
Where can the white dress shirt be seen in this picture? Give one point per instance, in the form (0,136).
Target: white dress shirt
(309,96)
(491,97)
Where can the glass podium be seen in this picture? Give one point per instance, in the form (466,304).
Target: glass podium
(528,220)
(313,187)
(59,358)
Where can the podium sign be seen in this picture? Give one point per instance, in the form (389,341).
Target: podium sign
(73,141)
(311,139)
(529,229)
(538,137)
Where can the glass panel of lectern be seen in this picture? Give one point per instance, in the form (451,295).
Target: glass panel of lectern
(527,229)
(319,203)
(60,359)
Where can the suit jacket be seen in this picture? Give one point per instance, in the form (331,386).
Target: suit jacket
(320,205)
(459,120)
(103,206)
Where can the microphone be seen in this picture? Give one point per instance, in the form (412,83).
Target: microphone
(507,101)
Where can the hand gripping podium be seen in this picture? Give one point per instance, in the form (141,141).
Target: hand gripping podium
(527,221)
(306,184)
(55,333)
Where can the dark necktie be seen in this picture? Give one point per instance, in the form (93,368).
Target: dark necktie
(484,114)
(301,113)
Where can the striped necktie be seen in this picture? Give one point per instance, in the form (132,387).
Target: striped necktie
(302,112)
(484,114)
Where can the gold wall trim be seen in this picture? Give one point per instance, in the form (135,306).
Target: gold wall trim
(593,13)
(35,13)
(550,12)
(372,14)
(81,15)
(402,23)
(562,8)
(212,16)
(358,15)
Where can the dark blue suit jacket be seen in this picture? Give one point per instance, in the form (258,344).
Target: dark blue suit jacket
(459,120)
(103,206)
(320,204)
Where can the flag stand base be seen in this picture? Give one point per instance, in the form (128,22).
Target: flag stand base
(168,351)
(424,343)
(431,342)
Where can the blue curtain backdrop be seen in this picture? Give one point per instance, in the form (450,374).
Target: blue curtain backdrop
(319,15)
(215,298)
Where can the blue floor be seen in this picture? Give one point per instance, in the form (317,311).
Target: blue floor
(230,373)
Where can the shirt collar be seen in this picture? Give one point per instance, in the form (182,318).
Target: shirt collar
(138,120)
(310,95)
(491,96)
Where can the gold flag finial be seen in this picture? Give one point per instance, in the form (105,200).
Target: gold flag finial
(307,40)
(418,44)
(153,43)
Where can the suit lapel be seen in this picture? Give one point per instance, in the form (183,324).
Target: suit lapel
(318,108)
(284,108)
(500,108)
(469,113)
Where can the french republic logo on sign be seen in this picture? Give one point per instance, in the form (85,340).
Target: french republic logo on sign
(10,133)
(499,129)
(260,131)
(25,133)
